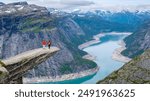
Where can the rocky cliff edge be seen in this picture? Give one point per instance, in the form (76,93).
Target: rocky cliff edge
(13,68)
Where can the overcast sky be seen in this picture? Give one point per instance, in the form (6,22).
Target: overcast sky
(88,4)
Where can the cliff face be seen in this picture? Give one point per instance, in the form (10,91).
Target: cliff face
(136,71)
(13,68)
(23,27)
(139,41)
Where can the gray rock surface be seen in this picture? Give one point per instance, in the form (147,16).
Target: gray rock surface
(23,27)
(139,41)
(3,72)
(18,65)
(136,71)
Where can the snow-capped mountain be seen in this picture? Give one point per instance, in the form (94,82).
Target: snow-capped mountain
(94,22)
(19,7)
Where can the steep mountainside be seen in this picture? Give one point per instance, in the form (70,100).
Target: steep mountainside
(23,27)
(92,25)
(107,21)
(139,41)
(136,71)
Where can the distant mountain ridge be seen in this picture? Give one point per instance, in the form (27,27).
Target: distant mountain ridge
(20,8)
(107,21)
(1,3)
(96,21)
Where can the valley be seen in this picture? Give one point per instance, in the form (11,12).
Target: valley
(82,58)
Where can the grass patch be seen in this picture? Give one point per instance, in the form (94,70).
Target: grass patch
(34,24)
(34,29)
(31,21)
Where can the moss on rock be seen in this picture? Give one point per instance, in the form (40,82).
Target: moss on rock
(2,64)
(136,71)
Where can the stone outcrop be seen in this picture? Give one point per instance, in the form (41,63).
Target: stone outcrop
(13,68)
(136,71)
(3,72)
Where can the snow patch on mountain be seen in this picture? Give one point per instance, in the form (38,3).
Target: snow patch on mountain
(21,8)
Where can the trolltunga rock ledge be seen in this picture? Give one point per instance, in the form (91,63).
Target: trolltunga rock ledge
(13,68)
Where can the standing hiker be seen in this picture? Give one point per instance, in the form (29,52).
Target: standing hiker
(44,43)
(49,44)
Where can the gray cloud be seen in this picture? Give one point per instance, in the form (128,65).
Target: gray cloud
(89,4)
(58,3)
(77,2)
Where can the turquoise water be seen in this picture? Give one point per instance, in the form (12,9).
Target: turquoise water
(73,81)
(103,52)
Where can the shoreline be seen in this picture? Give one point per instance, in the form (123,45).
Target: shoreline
(96,39)
(117,53)
(61,78)
(89,57)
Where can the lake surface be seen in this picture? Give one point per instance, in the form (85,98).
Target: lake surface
(103,52)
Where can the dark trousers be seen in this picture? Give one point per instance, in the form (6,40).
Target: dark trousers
(49,46)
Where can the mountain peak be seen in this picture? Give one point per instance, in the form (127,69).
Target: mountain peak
(19,3)
(1,4)
(20,8)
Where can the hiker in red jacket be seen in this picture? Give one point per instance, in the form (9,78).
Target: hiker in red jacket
(49,44)
(44,43)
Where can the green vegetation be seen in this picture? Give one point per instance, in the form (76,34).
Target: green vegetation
(34,24)
(134,72)
(81,61)
(77,54)
(91,64)
(2,64)
(2,74)
(31,21)
(65,69)
(34,29)
(128,51)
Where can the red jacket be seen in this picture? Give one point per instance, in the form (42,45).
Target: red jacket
(43,42)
